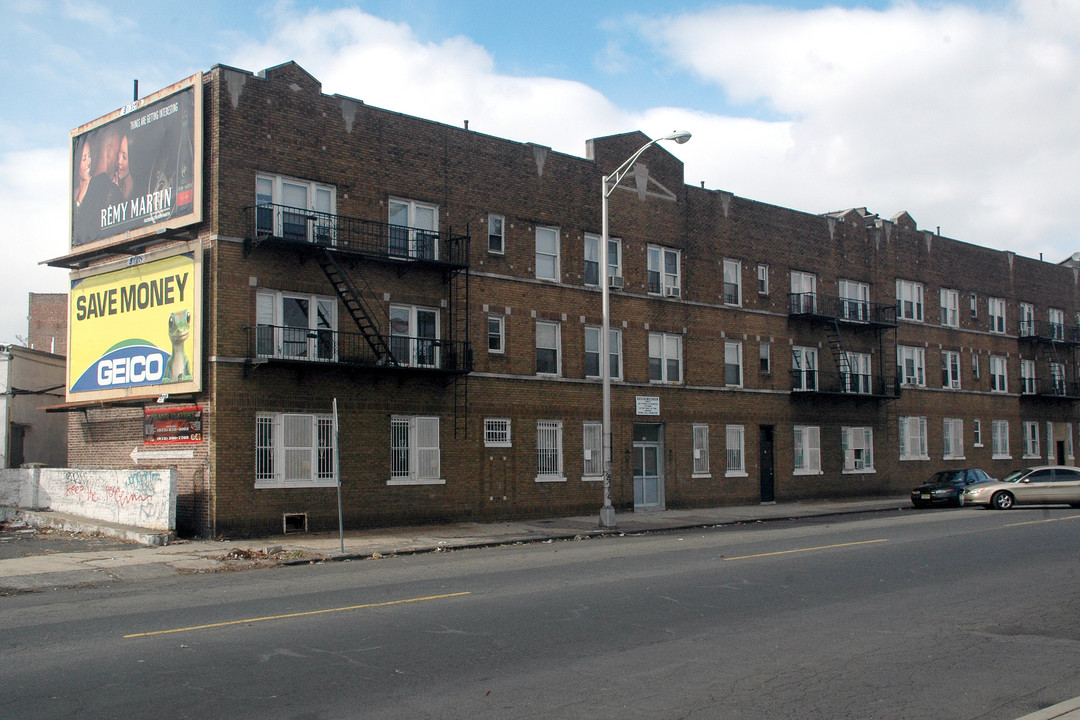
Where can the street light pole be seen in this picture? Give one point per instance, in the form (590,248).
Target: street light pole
(610,182)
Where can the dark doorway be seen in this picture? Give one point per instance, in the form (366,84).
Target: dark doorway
(765,463)
(1059,446)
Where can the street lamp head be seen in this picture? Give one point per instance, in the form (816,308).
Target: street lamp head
(679,136)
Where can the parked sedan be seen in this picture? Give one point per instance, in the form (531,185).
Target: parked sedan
(1037,485)
(947,486)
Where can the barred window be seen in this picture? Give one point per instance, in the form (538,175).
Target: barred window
(294,450)
(497,432)
(736,439)
(414,451)
(592,441)
(701,450)
(549,460)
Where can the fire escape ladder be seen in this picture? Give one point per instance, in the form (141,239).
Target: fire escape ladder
(840,356)
(353,301)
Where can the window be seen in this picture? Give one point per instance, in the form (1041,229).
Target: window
(665,358)
(950,369)
(975,366)
(1000,440)
(976,432)
(701,450)
(414,229)
(496,432)
(950,308)
(858,378)
(733,363)
(974,306)
(803,368)
(592,440)
(414,336)
(803,292)
(764,358)
(1057,376)
(996,310)
(1069,441)
(547,253)
(807,450)
(854,300)
(909,300)
(732,282)
(548,336)
(736,440)
(1027,377)
(857,444)
(414,451)
(1057,323)
(763,279)
(592,258)
(496,234)
(664,271)
(299,210)
(294,450)
(999,381)
(549,460)
(1027,320)
(1031,440)
(592,352)
(912,363)
(496,334)
(952,436)
(293,326)
(913,438)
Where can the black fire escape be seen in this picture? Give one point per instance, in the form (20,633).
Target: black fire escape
(1056,342)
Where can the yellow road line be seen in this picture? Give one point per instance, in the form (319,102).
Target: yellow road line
(296,615)
(802,550)
(1046,520)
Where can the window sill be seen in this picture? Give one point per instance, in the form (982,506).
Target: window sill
(587,478)
(1001,457)
(701,476)
(807,472)
(864,471)
(953,457)
(281,485)
(904,458)
(736,473)
(550,478)
(416,481)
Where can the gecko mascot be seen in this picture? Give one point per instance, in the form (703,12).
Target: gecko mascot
(179,367)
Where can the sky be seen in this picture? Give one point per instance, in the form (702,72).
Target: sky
(963,114)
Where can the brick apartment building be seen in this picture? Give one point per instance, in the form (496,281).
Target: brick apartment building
(443,286)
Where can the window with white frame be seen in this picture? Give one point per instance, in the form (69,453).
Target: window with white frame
(496,234)
(549,456)
(803,292)
(974,302)
(547,253)
(912,438)
(950,308)
(1027,320)
(496,334)
(414,451)
(732,282)
(735,451)
(1049,443)
(854,300)
(592,441)
(296,326)
(592,352)
(804,368)
(952,436)
(999,381)
(497,432)
(1031,440)
(858,378)
(548,342)
(664,271)
(764,357)
(294,209)
(1068,441)
(1057,323)
(294,450)
(665,358)
(909,300)
(1000,439)
(592,259)
(807,450)
(701,450)
(950,369)
(857,444)
(763,279)
(1057,377)
(912,364)
(1027,377)
(733,375)
(414,336)
(975,366)
(996,310)
(414,229)
(976,433)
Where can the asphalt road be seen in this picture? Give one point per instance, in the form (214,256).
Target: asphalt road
(949,614)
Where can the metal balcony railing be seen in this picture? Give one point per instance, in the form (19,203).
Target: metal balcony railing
(845,310)
(325,346)
(270,221)
(1050,387)
(1043,331)
(848,384)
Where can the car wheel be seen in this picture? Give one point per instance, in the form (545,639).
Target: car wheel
(958,501)
(918,505)
(1001,501)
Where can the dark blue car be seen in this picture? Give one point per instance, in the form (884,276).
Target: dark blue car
(947,487)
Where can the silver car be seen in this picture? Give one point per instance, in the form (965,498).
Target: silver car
(1044,484)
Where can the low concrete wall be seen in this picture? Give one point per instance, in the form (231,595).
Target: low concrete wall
(136,497)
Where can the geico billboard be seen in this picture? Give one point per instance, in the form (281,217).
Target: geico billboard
(135,332)
(138,170)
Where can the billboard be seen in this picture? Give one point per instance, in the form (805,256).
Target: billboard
(138,170)
(136,331)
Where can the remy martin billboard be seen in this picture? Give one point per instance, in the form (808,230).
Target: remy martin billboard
(134,329)
(138,170)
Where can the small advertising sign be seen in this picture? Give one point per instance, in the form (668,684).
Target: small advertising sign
(172,425)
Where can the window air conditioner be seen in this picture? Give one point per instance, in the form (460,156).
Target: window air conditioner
(671,291)
(615,282)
